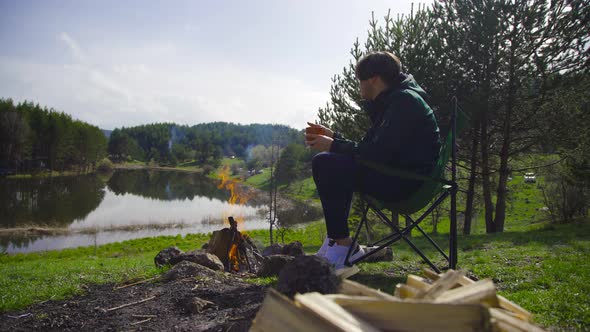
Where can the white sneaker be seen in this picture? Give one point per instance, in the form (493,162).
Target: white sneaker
(336,255)
(324,248)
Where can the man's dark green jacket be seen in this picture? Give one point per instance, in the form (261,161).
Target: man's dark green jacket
(404,132)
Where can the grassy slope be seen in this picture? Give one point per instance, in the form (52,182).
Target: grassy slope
(542,267)
(29,278)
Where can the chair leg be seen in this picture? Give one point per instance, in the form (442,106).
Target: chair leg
(399,234)
(434,244)
(355,238)
(416,222)
(453,231)
(410,243)
(367,226)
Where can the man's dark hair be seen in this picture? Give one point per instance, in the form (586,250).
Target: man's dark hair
(382,64)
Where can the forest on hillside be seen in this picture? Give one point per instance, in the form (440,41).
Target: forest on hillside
(34,137)
(207,143)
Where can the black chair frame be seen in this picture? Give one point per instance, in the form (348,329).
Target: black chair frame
(449,189)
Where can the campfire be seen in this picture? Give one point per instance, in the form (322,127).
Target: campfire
(236,251)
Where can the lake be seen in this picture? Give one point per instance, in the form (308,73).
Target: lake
(84,210)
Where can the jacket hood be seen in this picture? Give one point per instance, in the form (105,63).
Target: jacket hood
(406,82)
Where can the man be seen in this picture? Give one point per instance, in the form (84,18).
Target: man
(404,135)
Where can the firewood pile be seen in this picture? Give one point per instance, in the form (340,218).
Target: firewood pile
(436,302)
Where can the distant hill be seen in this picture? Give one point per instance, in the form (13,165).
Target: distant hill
(107,133)
(168,142)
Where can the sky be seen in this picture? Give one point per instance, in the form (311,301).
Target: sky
(127,63)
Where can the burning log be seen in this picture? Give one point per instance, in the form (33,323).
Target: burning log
(236,251)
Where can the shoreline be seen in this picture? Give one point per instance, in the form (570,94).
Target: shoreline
(158,168)
(49,174)
(259,233)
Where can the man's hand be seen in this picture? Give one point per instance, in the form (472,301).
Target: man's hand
(326,131)
(319,142)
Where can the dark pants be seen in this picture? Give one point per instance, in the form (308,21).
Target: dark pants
(338,176)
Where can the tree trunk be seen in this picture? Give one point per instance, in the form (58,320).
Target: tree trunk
(435,215)
(395,219)
(270,204)
(472,179)
(485,175)
(501,192)
(408,223)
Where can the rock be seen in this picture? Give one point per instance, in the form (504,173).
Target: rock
(273,249)
(383,255)
(200,257)
(196,305)
(273,264)
(293,249)
(186,269)
(308,274)
(165,256)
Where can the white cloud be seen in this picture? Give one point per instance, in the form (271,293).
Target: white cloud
(113,87)
(190,27)
(73,46)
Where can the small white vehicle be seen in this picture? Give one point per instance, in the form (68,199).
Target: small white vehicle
(530,177)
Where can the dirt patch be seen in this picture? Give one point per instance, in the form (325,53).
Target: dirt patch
(213,301)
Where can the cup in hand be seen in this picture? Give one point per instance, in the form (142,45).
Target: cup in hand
(313,131)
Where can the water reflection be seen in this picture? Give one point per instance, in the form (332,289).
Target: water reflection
(72,240)
(56,201)
(90,210)
(165,185)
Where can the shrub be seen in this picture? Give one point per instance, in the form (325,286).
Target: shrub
(565,196)
(105,165)
(208,169)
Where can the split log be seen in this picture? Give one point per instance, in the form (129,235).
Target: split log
(418,282)
(279,313)
(483,292)
(451,303)
(333,313)
(349,287)
(219,244)
(444,283)
(417,316)
(406,291)
(504,321)
(503,302)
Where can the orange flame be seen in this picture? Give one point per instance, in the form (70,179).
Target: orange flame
(239,195)
(234,257)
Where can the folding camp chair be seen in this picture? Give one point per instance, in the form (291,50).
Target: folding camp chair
(434,187)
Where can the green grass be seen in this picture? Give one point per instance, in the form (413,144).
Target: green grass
(29,278)
(302,189)
(544,269)
(230,161)
(44,174)
(261,180)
